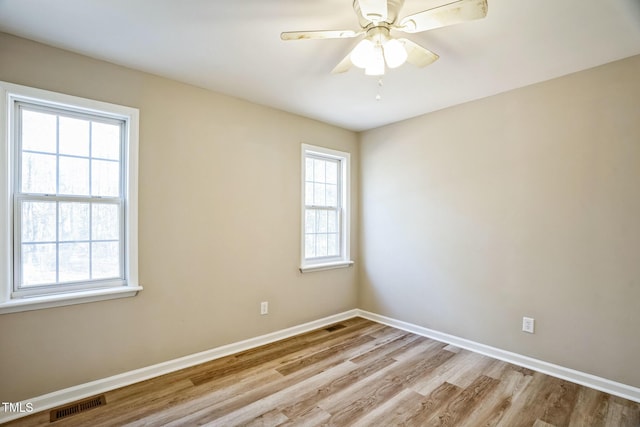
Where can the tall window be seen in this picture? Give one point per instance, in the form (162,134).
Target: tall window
(69,199)
(325,216)
(71,173)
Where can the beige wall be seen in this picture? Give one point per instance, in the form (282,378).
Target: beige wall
(219,230)
(523,204)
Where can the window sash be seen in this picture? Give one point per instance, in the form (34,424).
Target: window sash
(338,233)
(22,106)
(20,198)
(339,165)
(21,289)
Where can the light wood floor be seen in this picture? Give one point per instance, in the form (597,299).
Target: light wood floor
(355,373)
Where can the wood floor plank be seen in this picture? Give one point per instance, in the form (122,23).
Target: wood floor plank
(308,367)
(497,369)
(460,407)
(438,398)
(420,353)
(413,409)
(271,418)
(126,404)
(246,398)
(331,398)
(259,356)
(591,408)
(395,405)
(498,402)
(356,373)
(387,332)
(414,347)
(540,423)
(399,375)
(559,410)
(311,398)
(403,341)
(541,401)
(468,369)
(622,415)
(303,362)
(270,402)
(313,417)
(452,348)
(454,370)
(187,401)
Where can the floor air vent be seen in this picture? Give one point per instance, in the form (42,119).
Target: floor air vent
(334,327)
(77,407)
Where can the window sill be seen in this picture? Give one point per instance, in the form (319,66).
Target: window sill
(49,301)
(326,266)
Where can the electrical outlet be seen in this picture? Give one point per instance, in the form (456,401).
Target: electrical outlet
(528,324)
(264,307)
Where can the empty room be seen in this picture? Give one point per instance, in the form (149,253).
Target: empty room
(331,212)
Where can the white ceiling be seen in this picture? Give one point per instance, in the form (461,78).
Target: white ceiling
(234,47)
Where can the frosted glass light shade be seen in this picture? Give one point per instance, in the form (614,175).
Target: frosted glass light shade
(394,53)
(363,52)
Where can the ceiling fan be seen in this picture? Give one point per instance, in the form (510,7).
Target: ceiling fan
(377,18)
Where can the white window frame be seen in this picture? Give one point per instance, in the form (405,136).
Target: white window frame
(344,212)
(11,301)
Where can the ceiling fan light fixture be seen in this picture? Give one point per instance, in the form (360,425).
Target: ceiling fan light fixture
(363,52)
(377,18)
(394,53)
(375,67)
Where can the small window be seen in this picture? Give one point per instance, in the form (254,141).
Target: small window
(71,211)
(325,213)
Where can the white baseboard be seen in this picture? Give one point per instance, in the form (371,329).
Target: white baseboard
(82,391)
(582,378)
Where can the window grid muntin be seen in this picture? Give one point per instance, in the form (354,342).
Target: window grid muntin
(337,234)
(21,199)
(337,208)
(63,112)
(19,289)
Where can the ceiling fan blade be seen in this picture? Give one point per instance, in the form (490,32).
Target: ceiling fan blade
(374,10)
(442,16)
(418,55)
(317,35)
(344,65)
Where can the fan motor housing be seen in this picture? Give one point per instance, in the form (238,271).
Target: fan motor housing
(393,9)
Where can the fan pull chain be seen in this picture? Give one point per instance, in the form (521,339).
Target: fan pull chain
(378,97)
